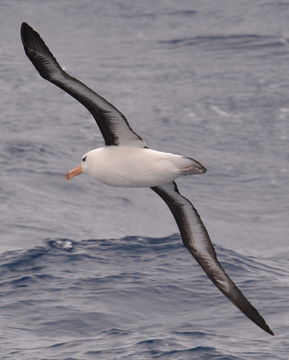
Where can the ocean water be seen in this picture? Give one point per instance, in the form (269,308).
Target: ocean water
(94,272)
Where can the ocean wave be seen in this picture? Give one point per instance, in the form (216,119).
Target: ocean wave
(230,42)
(131,246)
(125,289)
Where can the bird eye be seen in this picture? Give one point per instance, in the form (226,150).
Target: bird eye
(84,158)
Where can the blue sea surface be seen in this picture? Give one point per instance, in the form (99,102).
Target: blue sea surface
(94,272)
(135,297)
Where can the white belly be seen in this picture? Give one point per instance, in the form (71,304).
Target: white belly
(133,167)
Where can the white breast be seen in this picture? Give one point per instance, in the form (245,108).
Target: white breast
(133,167)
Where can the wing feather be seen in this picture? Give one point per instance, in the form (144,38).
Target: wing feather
(196,239)
(112,123)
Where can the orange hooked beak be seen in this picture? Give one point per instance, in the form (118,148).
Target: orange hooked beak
(74,172)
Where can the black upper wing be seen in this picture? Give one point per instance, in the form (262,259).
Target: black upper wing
(112,124)
(196,239)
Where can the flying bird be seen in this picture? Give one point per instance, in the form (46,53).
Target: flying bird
(126,161)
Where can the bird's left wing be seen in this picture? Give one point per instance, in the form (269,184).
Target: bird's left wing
(112,123)
(196,239)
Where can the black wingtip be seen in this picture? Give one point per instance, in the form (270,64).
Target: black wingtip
(28,35)
(268,330)
(25,30)
(38,53)
(30,38)
(262,324)
(255,316)
(25,26)
(248,309)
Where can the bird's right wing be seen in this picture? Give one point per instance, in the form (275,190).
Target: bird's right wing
(196,239)
(112,123)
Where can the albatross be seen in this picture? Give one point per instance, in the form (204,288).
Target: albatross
(126,161)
